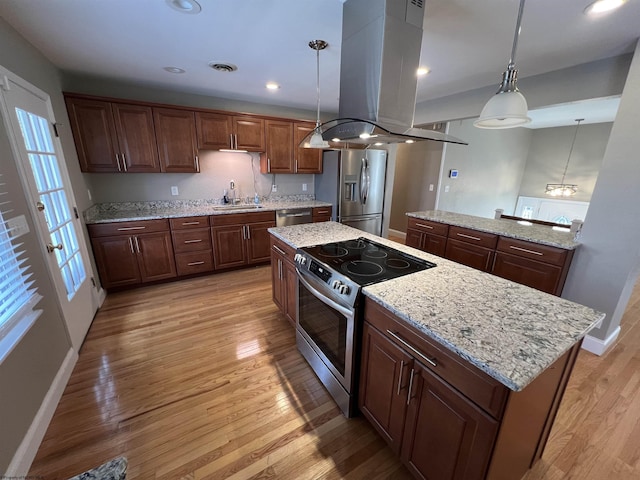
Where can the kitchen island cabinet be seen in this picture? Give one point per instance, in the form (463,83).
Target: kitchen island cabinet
(284,279)
(132,253)
(427,236)
(241,239)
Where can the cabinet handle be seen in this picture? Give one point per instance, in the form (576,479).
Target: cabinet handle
(191,264)
(124,229)
(279,250)
(248,232)
(124,162)
(322,212)
(235,137)
(135,239)
(526,250)
(190,223)
(468,236)
(268,164)
(197,164)
(193,241)
(410,386)
(400,376)
(426,226)
(118,162)
(131,245)
(430,361)
(495,257)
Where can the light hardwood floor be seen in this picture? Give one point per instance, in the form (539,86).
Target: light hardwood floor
(201,379)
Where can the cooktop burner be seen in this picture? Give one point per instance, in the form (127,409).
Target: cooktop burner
(366,262)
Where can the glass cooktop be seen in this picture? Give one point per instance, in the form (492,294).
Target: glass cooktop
(365,261)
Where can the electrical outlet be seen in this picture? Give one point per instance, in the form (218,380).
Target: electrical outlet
(446,188)
(274,188)
(174,190)
(431,187)
(304,187)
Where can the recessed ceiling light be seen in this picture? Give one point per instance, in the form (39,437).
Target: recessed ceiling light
(408,141)
(174,70)
(423,71)
(185,6)
(272,86)
(223,67)
(602,6)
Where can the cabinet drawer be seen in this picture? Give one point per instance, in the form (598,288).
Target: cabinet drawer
(479,387)
(534,251)
(321,212)
(468,254)
(283,249)
(474,237)
(427,226)
(242,218)
(195,262)
(127,228)
(191,240)
(188,222)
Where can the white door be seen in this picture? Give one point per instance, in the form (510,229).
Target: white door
(29,118)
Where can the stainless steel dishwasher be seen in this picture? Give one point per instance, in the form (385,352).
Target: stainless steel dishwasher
(293,216)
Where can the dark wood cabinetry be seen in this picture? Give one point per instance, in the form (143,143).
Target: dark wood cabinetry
(130,253)
(113,137)
(192,245)
(471,247)
(241,239)
(218,131)
(321,214)
(176,139)
(428,236)
(283,154)
(284,279)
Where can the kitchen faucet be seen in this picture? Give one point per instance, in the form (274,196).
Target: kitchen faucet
(232,186)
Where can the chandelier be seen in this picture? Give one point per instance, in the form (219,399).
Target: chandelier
(564,189)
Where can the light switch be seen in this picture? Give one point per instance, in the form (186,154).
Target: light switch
(431,187)
(446,188)
(304,187)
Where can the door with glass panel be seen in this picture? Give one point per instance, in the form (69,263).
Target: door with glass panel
(29,117)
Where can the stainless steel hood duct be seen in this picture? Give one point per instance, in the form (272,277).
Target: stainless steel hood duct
(381,42)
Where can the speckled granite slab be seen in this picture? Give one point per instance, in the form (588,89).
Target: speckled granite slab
(509,228)
(115,469)
(510,331)
(135,211)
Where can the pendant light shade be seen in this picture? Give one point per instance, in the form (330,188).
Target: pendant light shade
(564,189)
(316,140)
(508,107)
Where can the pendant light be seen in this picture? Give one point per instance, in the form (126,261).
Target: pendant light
(565,189)
(508,107)
(316,140)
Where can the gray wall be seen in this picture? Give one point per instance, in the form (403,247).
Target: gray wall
(548,157)
(490,169)
(25,376)
(416,166)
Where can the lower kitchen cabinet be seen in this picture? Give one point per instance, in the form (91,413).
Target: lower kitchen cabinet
(427,236)
(444,417)
(131,253)
(241,239)
(192,245)
(321,214)
(470,247)
(284,279)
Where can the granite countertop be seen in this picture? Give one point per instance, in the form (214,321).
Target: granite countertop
(542,234)
(136,211)
(510,331)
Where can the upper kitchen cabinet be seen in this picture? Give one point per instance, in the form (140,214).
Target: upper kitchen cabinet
(218,131)
(283,154)
(113,137)
(176,138)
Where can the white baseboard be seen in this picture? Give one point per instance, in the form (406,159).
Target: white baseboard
(597,346)
(21,461)
(397,233)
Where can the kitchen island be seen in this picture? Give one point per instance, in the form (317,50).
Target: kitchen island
(505,352)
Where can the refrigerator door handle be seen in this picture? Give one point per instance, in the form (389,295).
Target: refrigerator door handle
(365,181)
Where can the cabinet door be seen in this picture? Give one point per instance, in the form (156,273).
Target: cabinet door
(468,254)
(94,134)
(307,160)
(258,243)
(176,138)
(116,259)
(383,385)
(214,130)
(250,133)
(528,272)
(414,239)
(435,244)
(136,138)
(279,147)
(278,280)
(446,436)
(291,293)
(155,256)
(228,246)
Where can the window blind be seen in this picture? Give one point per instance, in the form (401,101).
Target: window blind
(18,296)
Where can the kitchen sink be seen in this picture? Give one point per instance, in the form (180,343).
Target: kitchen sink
(238,207)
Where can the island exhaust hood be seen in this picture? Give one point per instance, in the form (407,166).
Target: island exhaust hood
(381,42)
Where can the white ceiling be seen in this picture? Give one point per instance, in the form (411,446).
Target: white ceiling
(466,43)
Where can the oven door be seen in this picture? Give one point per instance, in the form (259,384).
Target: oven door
(328,328)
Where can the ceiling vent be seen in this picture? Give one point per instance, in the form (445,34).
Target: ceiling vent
(223,67)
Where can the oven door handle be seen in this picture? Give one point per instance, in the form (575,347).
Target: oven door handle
(327,301)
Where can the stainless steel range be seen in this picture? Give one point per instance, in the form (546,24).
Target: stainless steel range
(331,277)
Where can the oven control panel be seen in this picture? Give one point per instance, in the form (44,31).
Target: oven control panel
(333,283)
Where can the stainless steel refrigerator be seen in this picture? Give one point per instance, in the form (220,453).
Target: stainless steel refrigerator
(353,181)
